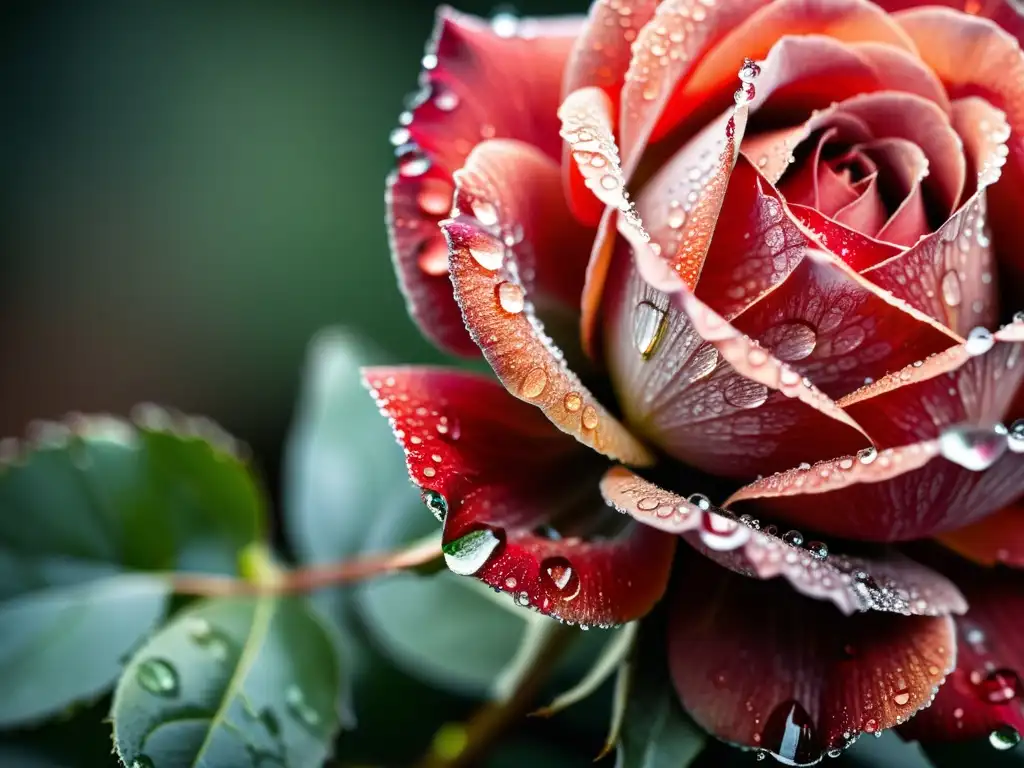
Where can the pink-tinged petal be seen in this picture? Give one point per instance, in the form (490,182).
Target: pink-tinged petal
(902,167)
(708,44)
(755,248)
(514,224)
(971,383)
(1005,13)
(494,469)
(602,52)
(996,540)
(974,57)
(886,582)
(901,70)
(761,667)
(856,249)
(467,66)
(593,286)
(867,213)
(985,691)
(682,204)
(950,274)
(835,328)
(704,393)
(898,494)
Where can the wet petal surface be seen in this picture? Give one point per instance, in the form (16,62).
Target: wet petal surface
(995,540)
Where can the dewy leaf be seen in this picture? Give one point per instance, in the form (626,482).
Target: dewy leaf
(655,731)
(231,681)
(84,508)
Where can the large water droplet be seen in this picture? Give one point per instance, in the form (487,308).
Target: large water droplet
(999,686)
(973,448)
(793,538)
(979,341)
(1015,436)
(412,161)
(789,735)
(511,298)
(648,327)
(573,401)
(704,361)
(951,288)
(435,197)
(534,383)
(436,503)
(433,257)
(589,418)
(1004,737)
(158,677)
(485,212)
(790,342)
(700,501)
(300,709)
(818,548)
(749,71)
(722,534)
(490,254)
(209,638)
(467,555)
(561,577)
(745,393)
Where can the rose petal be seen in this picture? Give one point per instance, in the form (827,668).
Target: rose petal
(494,469)
(835,328)
(974,57)
(984,692)
(761,667)
(886,582)
(967,384)
(856,249)
(521,227)
(476,84)
(898,494)
(704,393)
(593,285)
(867,213)
(949,274)
(1005,13)
(712,41)
(996,540)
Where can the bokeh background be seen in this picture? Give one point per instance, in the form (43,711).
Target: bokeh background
(190,190)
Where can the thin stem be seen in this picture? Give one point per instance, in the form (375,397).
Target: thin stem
(487,725)
(311,578)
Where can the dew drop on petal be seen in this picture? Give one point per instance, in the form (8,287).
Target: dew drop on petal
(433,257)
(867,455)
(468,554)
(511,298)
(791,341)
(951,293)
(979,341)
(534,383)
(789,735)
(745,393)
(485,212)
(972,448)
(490,255)
(999,686)
(818,548)
(573,401)
(1004,737)
(561,578)
(722,534)
(436,503)
(412,162)
(435,197)
(1015,436)
(648,327)
(700,500)
(793,538)
(589,417)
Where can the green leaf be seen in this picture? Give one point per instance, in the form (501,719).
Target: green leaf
(231,681)
(84,508)
(655,731)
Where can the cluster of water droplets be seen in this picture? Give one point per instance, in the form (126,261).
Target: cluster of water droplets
(994,685)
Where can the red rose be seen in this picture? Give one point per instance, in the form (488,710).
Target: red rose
(799,319)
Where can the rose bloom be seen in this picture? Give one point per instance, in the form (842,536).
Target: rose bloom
(746,273)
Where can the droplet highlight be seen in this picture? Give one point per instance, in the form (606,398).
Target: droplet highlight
(158,677)
(467,555)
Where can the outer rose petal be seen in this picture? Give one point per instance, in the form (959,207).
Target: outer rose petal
(984,692)
(974,57)
(761,667)
(963,385)
(703,392)
(897,494)
(495,469)
(887,582)
(481,85)
(996,540)
(520,226)
(835,328)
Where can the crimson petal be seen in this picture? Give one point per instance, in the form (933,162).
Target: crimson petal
(887,582)
(855,248)
(514,224)
(984,694)
(995,540)
(494,469)
(476,84)
(761,667)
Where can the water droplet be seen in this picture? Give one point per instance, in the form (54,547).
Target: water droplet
(433,257)
(297,705)
(700,500)
(485,212)
(436,503)
(979,341)
(435,197)
(505,24)
(511,298)
(999,686)
(704,361)
(818,548)
(445,98)
(158,677)
(870,726)
(789,735)
(412,161)
(511,582)
(1015,436)
(648,327)
(867,455)
(790,342)
(489,255)
(745,393)
(901,698)
(522,599)
(793,538)
(744,94)
(573,401)
(203,634)
(399,136)
(972,448)
(749,71)
(561,577)
(1004,737)
(468,554)
(951,288)
(722,534)
(534,383)
(589,418)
